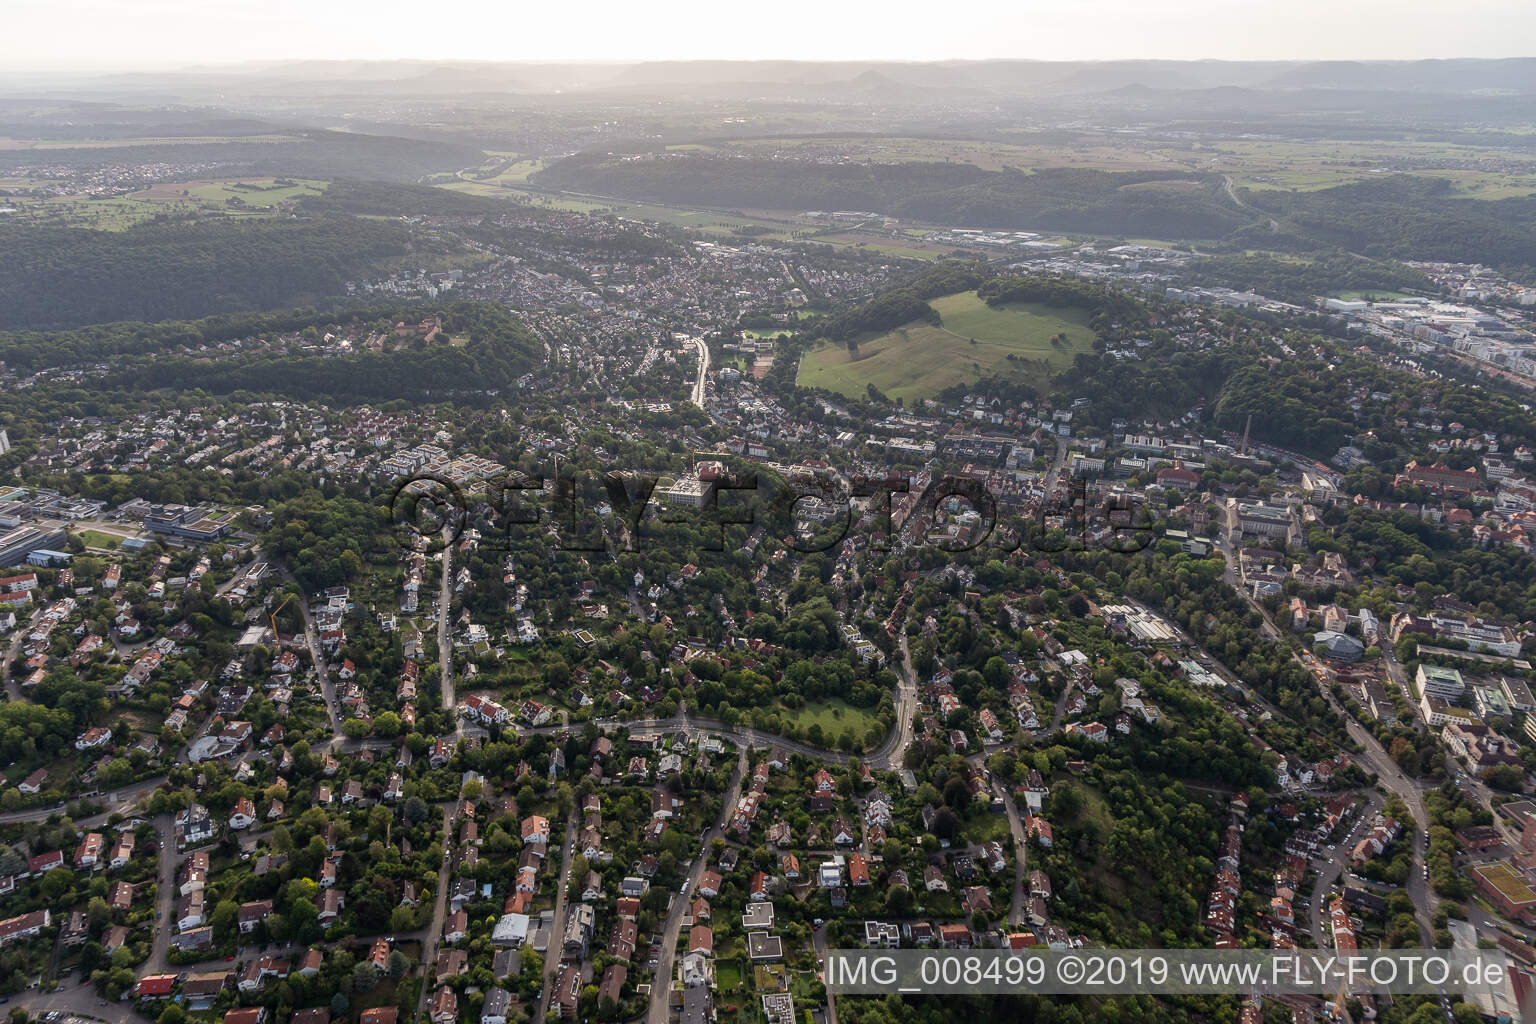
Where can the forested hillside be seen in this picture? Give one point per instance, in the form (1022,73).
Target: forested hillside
(496,349)
(307,153)
(1302,280)
(711,180)
(1061,199)
(348,195)
(1396,217)
(62,277)
(1413,218)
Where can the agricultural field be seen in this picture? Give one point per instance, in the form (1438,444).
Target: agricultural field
(169,140)
(242,197)
(1478,172)
(920,360)
(713,222)
(1106,154)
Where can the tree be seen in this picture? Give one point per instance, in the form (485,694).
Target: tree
(365,975)
(223,918)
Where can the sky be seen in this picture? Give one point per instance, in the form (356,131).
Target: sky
(68,35)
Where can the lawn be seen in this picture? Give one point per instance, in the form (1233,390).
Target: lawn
(1379,294)
(834,716)
(728,975)
(97,539)
(919,360)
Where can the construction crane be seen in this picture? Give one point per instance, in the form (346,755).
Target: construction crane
(273,617)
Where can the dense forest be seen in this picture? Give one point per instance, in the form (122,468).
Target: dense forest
(309,153)
(903,304)
(1301,280)
(349,195)
(1136,203)
(716,180)
(1055,291)
(1393,218)
(1300,410)
(496,350)
(1407,550)
(29,351)
(1413,218)
(1312,401)
(1059,199)
(63,277)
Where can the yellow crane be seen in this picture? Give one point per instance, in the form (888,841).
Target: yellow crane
(273,617)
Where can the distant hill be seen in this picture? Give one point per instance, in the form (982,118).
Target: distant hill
(999,78)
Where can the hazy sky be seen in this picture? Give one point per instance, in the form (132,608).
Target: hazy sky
(74,34)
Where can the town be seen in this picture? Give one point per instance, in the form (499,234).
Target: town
(600,603)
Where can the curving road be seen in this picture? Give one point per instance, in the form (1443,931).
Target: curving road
(698,385)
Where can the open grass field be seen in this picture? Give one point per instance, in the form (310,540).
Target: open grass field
(834,716)
(919,360)
(1105,153)
(713,222)
(518,171)
(1350,295)
(97,539)
(251,192)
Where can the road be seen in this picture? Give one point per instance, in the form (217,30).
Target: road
(76,999)
(661,983)
(444,636)
(434,936)
(316,656)
(1016,912)
(557,927)
(165,895)
(698,385)
(1058,460)
(819,946)
(1371,754)
(1231,191)
(891,753)
(1331,868)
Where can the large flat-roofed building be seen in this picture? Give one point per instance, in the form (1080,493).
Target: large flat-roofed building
(1259,520)
(1479,635)
(1507,889)
(1518,694)
(1435,681)
(18,544)
(1437,711)
(689,492)
(187,522)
